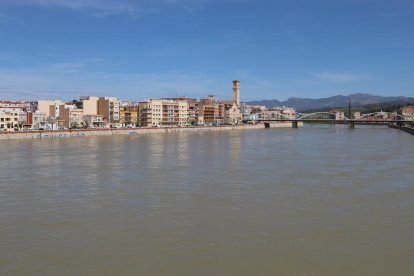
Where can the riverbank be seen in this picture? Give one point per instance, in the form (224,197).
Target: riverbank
(409,130)
(47,134)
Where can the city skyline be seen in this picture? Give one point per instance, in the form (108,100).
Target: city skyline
(144,49)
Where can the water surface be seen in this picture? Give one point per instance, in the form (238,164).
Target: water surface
(321,200)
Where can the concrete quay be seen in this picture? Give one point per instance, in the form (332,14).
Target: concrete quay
(48,134)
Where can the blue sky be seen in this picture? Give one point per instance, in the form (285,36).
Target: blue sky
(137,49)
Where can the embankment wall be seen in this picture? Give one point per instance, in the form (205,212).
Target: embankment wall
(45,134)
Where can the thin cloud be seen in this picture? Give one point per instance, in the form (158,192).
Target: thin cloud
(68,67)
(341,77)
(190,6)
(111,7)
(99,6)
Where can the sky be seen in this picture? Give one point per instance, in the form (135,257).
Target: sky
(138,49)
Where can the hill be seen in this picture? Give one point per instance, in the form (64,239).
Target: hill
(357,100)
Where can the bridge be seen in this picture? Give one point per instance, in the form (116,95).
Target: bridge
(376,118)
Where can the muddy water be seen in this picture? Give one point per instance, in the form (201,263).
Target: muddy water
(311,201)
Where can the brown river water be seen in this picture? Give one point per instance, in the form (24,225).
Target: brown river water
(319,200)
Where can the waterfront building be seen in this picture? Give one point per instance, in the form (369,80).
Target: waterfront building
(36,120)
(183,113)
(71,117)
(232,114)
(129,115)
(24,106)
(94,121)
(114,108)
(408,112)
(257,109)
(108,107)
(90,105)
(245,109)
(289,112)
(163,112)
(193,112)
(188,110)
(150,113)
(210,111)
(9,120)
(339,114)
(50,107)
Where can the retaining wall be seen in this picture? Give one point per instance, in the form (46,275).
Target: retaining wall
(44,134)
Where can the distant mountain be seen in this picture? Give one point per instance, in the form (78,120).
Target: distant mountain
(357,100)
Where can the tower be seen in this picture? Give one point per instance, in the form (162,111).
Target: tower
(236,92)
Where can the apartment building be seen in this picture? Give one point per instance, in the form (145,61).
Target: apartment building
(188,110)
(129,115)
(407,112)
(163,112)
(21,105)
(150,113)
(108,107)
(114,108)
(50,107)
(210,111)
(36,120)
(71,117)
(90,105)
(9,120)
(94,121)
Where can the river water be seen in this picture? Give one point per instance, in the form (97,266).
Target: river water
(320,200)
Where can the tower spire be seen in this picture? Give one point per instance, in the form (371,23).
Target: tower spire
(236,92)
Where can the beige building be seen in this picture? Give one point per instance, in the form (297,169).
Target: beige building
(408,112)
(210,111)
(188,110)
(114,109)
(163,112)
(129,115)
(90,105)
(93,121)
(232,114)
(9,120)
(50,107)
(183,113)
(108,107)
(36,120)
(339,114)
(71,117)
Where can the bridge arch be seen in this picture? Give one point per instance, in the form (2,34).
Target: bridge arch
(321,115)
(382,116)
(278,116)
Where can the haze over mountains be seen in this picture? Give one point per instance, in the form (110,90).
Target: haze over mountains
(357,99)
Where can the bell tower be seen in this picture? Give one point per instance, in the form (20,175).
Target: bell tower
(236,92)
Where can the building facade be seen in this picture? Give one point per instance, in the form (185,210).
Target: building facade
(71,117)
(163,113)
(129,115)
(50,107)
(407,112)
(9,120)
